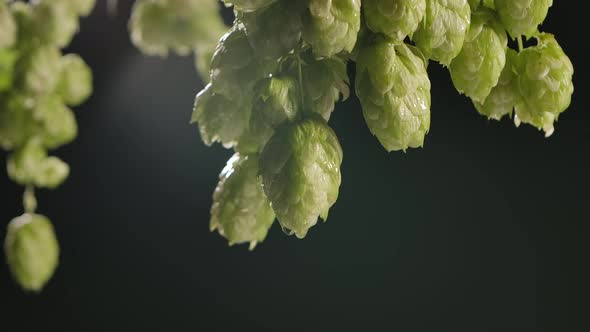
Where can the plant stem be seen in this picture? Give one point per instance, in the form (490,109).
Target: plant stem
(520,44)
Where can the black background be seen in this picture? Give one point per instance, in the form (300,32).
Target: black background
(484,229)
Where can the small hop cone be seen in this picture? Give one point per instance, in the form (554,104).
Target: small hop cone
(55,22)
(331,27)
(30,166)
(300,168)
(396,19)
(441,35)
(477,68)
(544,82)
(75,83)
(41,70)
(394,90)
(241,212)
(503,97)
(248,5)
(522,17)
(32,251)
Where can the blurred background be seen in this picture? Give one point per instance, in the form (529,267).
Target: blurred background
(484,229)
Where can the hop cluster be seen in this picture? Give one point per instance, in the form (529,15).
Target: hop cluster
(38,87)
(276,75)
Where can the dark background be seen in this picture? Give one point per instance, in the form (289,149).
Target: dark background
(484,229)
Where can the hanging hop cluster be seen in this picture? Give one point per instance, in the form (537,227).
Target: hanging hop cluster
(38,85)
(275,76)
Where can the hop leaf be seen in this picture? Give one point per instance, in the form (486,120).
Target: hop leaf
(75,84)
(300,168)
(544,82)
(241,212)
(30,165)
(331,27)
(248,5)
(442,33)
(32,251)
(521,17)
(395,18)
(477,68)
(7,28)
(277,101)
(275,30)
(501,100)
(394,90)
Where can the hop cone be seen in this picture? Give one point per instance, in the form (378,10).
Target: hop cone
(442,33)
(300,168)
(30,165)
(544,82)
(394,90)
(32,251)
(331,26)
(41,69)
(396,19)
(75,84)
(501,100)
(241,212)
(477,68)
(521,17)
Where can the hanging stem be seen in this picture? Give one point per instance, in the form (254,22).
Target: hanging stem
(520,44)
(29,200)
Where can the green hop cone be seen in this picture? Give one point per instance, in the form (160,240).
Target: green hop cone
(82,7)
(276,101)
(30,166)
(7,27)
(331,26)
(55,22)
(477,68)
(75,83)
(274,31)
(396,19)
(545,83)
(241,212)
(441,35)
(249,5)
(393,87)
(40,70)
(501,100)
(300,168)
(8,59)
(32,251)
(147,26)
(522,17)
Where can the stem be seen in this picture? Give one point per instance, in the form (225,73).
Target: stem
(520,44)
(29,200)
(300,80)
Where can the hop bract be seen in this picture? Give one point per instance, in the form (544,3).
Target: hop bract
(300,168)
(395,18)
(477,68)
(241,212)
(442,33)
(32,251)
(394,89)
(522,17)
(544,82)
(331,27)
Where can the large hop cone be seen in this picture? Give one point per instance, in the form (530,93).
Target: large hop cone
(521,17)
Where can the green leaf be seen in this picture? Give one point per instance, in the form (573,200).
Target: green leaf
(331,27)
(477,68)
(32,251)
(545,83)
(241,212)
(75,83)
(394,89)
(396,19)
(300,168)
(441,35)
(522,17)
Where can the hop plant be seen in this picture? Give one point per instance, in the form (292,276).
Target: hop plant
(442,33)
(396,19)
(32,251)
(241,212)
(477,68)
(394,89)
(522,17)
(544,83)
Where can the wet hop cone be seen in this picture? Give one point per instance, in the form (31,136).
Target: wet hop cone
(394,90)
(545,83)
(441,35)
(396,19)
(331,27)
(241,212)
(300,168)
(32,251)
(477,68)
(522,17)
